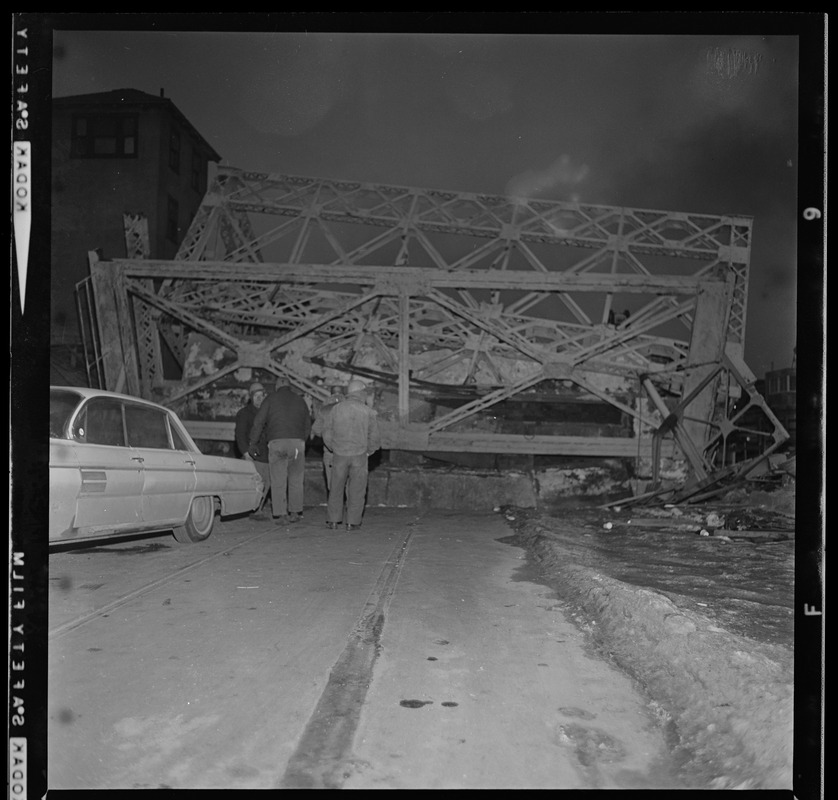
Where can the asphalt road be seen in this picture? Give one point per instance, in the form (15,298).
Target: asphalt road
(416,652)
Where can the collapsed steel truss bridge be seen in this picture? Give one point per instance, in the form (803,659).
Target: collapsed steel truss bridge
(313,279)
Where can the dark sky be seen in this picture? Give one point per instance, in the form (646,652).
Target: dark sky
(694,123)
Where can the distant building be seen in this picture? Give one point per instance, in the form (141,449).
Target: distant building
(114,153)
(777,389)
(781,396)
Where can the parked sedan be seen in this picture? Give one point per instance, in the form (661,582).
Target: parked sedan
(119,465)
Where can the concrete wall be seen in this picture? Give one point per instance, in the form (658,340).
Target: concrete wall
(471,490)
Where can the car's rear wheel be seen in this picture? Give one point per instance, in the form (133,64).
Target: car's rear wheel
(199,522)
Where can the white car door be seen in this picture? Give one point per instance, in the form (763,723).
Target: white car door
(168,473)
(110,491)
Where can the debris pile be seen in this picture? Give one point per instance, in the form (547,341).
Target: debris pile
(756,507)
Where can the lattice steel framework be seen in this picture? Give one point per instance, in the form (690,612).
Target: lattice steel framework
(489,293)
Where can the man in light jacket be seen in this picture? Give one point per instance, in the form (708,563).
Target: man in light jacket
(351,433)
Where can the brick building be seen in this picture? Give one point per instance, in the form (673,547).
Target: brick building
(781,396)
(117,152)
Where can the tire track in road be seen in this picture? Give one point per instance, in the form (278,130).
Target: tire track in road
(72,624)
(320,759)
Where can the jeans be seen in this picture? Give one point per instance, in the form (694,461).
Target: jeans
(349,478)
(287,462)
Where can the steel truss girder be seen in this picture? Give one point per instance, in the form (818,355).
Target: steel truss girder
(249,295)
(272,259)
(621,237)
(191,308)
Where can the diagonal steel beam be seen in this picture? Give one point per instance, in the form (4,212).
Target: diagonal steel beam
(487,400)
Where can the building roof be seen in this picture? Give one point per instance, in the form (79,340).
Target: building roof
(126,98)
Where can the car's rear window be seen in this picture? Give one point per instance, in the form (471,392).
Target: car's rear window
(101,423)
(62,403)
(146,427)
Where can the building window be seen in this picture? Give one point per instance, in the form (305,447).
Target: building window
(172,227)
(104,136)
(174,150)
(197,171)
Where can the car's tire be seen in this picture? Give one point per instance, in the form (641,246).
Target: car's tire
(199,522)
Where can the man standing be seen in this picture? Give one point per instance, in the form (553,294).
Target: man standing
(351,433)
(284,419)
(317,430)
(244,422)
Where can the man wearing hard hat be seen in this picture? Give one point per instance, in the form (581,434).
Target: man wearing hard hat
(351,432)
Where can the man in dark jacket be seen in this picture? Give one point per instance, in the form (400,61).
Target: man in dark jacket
(284,419)
(244,422)
(351,433)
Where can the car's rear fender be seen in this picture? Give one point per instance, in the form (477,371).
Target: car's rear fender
(234,483)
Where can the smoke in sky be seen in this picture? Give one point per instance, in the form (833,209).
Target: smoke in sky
(561,180)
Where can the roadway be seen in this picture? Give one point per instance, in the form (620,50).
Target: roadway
(418,652)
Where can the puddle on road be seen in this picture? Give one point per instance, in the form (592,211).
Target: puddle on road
(415,703)
(66,716)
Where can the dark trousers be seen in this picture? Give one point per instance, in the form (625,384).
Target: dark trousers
(287,462)
(349,481)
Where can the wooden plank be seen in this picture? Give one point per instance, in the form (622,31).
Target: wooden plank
(410,277)
(211,431)
(114,322)
(788,534)
(666,524)
(610,446)
(417,439)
